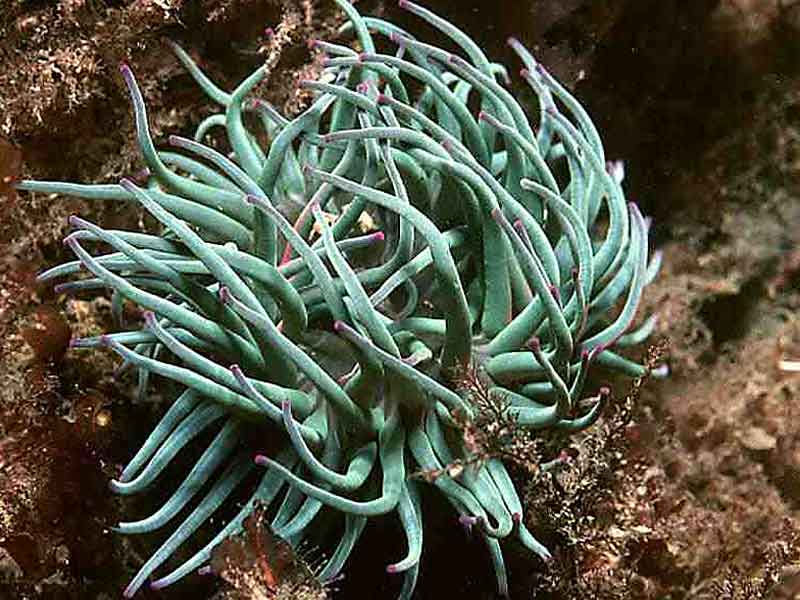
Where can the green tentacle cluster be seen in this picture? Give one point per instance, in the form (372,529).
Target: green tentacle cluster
(504,244)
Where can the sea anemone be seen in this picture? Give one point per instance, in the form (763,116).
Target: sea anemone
(506,248)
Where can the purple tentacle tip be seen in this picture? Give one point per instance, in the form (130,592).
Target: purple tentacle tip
(339,326)
(661,371)
(534,344)
(150,318)
(224,295)
(378,236)
(261,460)
(468,522)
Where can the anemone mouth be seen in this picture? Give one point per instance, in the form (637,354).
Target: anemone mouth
(499,263)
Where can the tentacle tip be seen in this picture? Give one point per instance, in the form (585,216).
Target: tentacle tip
(362,88)
(482,116)
(140,176)
(661,371)
(468,522)
(339,326)
(261,460)
(249,199)
(516,517)
(605,391)
(74,342)
(535,344)
(157,585)
(382,99)
(312,44)
(150,318)
(269,33)
(496,213)
(378,236)
(524,73)
(391,569)
(224,295)
(403,4)
(363,57)
(327,62)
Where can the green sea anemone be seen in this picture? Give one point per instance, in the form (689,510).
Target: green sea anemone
(505,246)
